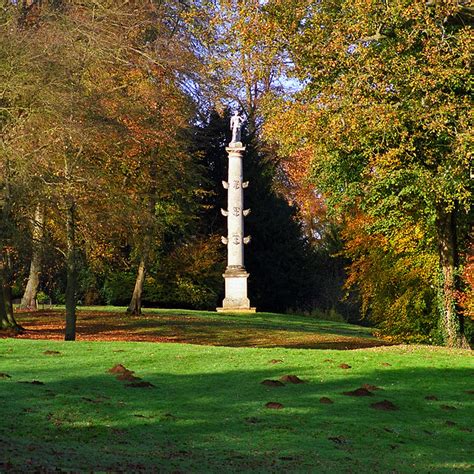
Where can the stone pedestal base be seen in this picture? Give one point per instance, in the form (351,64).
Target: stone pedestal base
(236,299)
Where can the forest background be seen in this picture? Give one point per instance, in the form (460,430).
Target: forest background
(114,119)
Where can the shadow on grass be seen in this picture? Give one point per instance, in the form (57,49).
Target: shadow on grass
(209,422)
(264,330)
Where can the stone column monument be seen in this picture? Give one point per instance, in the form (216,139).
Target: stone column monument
(235,276)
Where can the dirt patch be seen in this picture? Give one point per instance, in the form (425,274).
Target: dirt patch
(119,369)
(359,392)
(386,364)
(33,382)
(470,392)
(275,361)
(272,383)
(431,397)
(51,353)
(450,423)
(291,379)
(274,405)
(326,401)
(345,366)
(3,375)
(384,405)
(127,377)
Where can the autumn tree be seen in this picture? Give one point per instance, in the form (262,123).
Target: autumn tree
(384,113)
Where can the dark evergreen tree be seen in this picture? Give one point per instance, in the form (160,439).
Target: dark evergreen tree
(278,257)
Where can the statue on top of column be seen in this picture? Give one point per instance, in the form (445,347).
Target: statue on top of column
(236,122)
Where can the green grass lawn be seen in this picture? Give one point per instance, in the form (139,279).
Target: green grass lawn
(206,411)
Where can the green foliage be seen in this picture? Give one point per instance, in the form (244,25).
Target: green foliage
(384,110)
(118,287)
(42,297)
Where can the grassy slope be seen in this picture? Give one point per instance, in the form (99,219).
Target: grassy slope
(207,411)
(203,327)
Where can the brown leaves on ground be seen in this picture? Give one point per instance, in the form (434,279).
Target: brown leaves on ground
(180,328)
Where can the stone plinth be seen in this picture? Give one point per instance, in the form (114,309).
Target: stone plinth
(236,299)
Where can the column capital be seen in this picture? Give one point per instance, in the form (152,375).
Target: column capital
(237,149)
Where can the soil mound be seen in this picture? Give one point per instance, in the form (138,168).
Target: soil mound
(291,379)
(384,405)
(359,392)
(119,369)
(128,377)
(274,405)
(326,401)
(272,383)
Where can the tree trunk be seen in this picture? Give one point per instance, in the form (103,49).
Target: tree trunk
(29,297)
(70,334)
(7,318)
(452,322)
(135,306)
